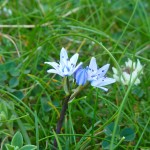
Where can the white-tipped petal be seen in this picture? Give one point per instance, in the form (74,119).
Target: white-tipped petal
(139,66)
(114,70)
(126,76)
(134,75)
(129,63)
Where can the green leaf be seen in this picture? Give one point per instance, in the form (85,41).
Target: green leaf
(10,66)
(128,133)
(138,91)
(13,82)
(17,140)
(3,76)
(26,71)
(109,129)
(14,72)
(19,94)
(28,147)
(10,147)
(106,143)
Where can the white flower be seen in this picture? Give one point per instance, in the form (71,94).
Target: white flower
(6,11)
(129,72)
(97,76)
(66,67)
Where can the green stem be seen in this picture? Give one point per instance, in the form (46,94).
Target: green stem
(119,115)
(94,115)
(136,146)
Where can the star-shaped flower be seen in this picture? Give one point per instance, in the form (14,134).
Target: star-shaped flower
(94,75)
(66,67)
(97,76)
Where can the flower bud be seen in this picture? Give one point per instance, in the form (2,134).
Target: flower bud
(81,76)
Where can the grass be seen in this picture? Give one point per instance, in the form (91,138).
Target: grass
(31,100)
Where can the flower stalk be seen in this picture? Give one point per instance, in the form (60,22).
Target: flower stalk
(68,98)
(61,119)
(66,85)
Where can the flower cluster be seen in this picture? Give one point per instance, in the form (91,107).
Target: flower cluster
(91,73)
(94,75)
(129,73)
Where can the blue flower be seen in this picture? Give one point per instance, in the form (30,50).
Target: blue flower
(81,76)
(66,67)
(97,76)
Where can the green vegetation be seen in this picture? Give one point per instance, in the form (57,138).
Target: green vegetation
(34,31)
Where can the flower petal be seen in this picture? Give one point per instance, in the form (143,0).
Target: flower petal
(54,71)
(126,77)
(114,70)
(103,88)
(92,69)
(103,81)
(81,76)
(93,65)
(73,59)
(53,64)
(138,66)
(63,56)
(129,63)
(123,80)
(77,67)
(102,71)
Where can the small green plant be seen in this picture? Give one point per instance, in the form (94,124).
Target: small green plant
(5,115)
(121,135)
(17,143)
